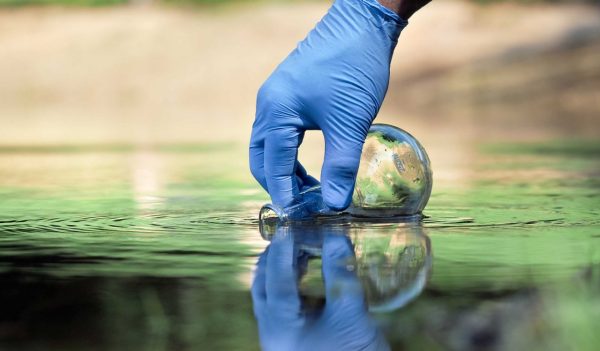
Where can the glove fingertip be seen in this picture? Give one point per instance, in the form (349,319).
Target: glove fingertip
(337,203)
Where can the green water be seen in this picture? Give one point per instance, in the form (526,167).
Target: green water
(122,248)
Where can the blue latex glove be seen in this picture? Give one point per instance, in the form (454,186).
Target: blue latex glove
(335,81)
(283,324)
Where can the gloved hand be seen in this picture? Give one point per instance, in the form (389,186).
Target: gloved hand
(335,81)
(283,324)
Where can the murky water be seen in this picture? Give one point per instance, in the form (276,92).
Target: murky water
(119,248)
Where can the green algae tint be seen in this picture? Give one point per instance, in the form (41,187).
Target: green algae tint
(120,248)
(394,177)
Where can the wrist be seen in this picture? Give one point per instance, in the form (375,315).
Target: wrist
(393,5)
(403,8)
(383,17)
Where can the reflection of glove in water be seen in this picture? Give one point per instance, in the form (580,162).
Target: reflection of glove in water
(344,323)
(335,80)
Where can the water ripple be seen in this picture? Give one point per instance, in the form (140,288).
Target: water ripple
(193,223)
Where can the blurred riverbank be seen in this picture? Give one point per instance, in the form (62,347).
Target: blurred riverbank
(153,74)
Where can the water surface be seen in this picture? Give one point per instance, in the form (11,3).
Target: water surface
(127,248)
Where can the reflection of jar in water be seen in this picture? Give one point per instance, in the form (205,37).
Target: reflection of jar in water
(393,263)
(394,177)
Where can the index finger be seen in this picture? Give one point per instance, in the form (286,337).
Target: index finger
(281,151)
